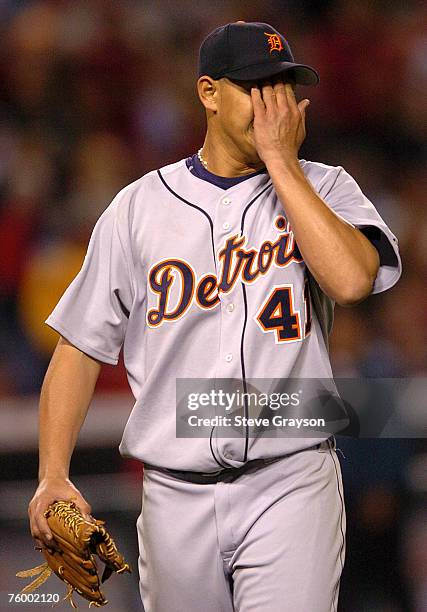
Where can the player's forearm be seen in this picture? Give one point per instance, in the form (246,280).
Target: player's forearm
(64,401)
(341,259)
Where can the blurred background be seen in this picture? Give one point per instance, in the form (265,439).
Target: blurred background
(95,93)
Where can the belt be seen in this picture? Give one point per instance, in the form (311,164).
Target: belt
(223,474)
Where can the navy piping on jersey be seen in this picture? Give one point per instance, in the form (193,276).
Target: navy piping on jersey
(213,250)
(242,356)
(123,308)
(195,166)
(239,180)
(194,206)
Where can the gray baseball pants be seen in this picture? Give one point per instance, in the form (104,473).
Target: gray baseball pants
(272,540)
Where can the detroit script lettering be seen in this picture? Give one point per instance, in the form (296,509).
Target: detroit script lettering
(236,263)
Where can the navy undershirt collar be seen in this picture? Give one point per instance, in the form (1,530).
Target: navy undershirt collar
(195,166)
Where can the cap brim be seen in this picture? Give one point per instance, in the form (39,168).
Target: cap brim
(304,75)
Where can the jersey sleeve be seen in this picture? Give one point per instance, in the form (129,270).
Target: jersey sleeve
(93,312)
(342,193)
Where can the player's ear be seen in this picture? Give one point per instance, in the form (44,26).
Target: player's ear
(207,88)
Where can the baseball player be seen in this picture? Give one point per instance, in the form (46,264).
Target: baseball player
(225,265)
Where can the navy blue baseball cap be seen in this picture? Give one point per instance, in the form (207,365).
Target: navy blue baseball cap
(249,51)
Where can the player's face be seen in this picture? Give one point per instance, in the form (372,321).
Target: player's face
(235,114)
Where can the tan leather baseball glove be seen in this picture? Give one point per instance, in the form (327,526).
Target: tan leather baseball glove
(79,541)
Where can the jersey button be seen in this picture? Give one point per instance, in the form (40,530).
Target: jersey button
(228,357)
(226,225)
(230,307)
(226,201)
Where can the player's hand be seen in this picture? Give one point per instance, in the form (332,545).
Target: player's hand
(279,121)
(49,491)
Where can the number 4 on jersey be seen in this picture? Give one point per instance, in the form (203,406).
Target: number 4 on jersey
(278,315)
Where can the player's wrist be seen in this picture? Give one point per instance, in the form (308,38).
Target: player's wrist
(56,475)
(283,163)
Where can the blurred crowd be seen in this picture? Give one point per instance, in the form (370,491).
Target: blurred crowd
(95,93)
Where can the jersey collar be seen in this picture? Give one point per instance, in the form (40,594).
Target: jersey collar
(195,167)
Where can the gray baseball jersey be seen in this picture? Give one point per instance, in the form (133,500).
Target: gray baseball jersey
(187,276)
